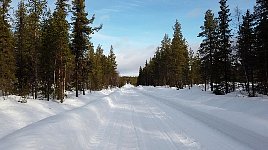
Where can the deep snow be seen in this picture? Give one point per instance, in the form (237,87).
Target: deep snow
(136,118)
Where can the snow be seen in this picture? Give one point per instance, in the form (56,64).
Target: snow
(136,118)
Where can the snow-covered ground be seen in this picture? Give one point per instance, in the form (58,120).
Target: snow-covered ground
(137,118)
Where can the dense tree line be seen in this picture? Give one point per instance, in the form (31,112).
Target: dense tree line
(173,63)
(44,55)
(227,59)
(224,57)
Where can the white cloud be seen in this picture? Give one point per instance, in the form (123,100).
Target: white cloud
(130,60)
(130,55)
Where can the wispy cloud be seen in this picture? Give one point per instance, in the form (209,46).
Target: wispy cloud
(194,13)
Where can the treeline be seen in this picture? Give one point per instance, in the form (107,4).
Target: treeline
(224,57)
(170,64)
(43,55)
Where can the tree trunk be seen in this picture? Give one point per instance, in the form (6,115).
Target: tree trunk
(76,78)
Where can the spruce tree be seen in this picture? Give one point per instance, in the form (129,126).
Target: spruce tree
(224,52)
(23,71)
(246,49)
(179,58)
(261,15)
(113,75)
(7,60)
(208,46)
(47,57)
(139,80)
(165,53)
(36,11)
(62,49)
(81,35)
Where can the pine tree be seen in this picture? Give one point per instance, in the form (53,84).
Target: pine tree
(224,41)
(98,69)
(246,49)
(208,46)
(113,75)
(196,69)
(261,15)
(140,80)
(179,58)
(90,66)
(7,60)
(63,52)
(81,36)
(36,11)
(47,57)
(55,54)
(23,70)
(165,53)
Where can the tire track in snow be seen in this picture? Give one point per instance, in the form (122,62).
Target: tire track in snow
(239,134)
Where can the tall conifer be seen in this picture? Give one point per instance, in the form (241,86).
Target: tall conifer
(224,52)
(81,35)
(7,60)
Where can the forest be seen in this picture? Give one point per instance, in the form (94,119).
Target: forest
(227,57)
(42,54)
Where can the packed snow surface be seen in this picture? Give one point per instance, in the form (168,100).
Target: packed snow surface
(136,118)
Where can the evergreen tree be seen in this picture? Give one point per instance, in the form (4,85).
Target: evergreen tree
(246,49)
(224,52)
(23,71)
(97,69)
(165,54)
(63,52)
(7,61)
(139,79)
(113,75)
(36,11)
(179,58)
(90,66)
(261,15)
(208,46)
(196,70)
(47,57)
(55,53)
(81,36)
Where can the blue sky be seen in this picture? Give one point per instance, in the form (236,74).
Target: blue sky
(136,27)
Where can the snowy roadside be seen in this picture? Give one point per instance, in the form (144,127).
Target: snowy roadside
(15,115)
(137,118)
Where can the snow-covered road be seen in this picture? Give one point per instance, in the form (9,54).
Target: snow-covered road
(149,118)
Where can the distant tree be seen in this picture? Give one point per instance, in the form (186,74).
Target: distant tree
(140,77)
(196,69)
(97,69)
(112,67)
(7,60)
